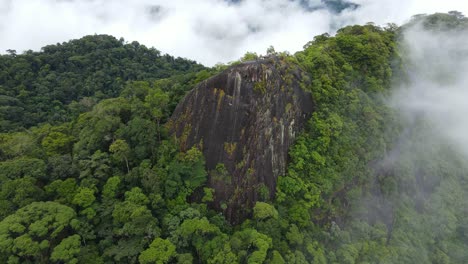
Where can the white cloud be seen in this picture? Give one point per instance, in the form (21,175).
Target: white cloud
(208,31)
(437,63)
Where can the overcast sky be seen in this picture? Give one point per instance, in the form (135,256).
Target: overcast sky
(209,31)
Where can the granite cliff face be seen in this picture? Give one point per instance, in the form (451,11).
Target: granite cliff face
(244,120)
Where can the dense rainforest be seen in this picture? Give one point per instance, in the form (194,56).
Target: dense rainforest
(89,172)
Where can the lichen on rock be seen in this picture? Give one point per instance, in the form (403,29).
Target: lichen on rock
(247,117)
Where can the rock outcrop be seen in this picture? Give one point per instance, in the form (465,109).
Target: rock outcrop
(244,120)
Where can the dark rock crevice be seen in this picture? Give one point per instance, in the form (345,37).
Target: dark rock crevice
(244,118)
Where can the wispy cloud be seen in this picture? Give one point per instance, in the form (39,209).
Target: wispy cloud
(437,89)
(208,31)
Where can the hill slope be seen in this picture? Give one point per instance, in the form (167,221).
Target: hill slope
(38,87)
(102,180)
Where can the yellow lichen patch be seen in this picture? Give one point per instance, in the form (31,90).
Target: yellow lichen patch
(288,107)
(220,98)
(240,165)
(230,148)
(169,125)
(183,138)
(200,144)
(250,174)
(260,86)
(174,124)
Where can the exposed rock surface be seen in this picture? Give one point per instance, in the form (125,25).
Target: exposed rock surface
(244,120)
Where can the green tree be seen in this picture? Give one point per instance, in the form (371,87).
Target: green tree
(68,250)
(56,143)
(251,245)
(160,251)
(84,197)
(34,230)
(157,101)
(17,193)
(121,151)
(264,211)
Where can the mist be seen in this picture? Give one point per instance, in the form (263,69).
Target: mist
(437,87)
(419,192)
(209,31)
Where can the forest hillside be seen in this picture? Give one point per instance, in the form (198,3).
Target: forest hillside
(94,167)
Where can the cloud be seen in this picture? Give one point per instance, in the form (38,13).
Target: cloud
(437,89)
(420,185)
(208,31)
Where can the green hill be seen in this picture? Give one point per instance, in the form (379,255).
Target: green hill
(90,172)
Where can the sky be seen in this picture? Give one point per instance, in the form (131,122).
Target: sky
(208,31)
